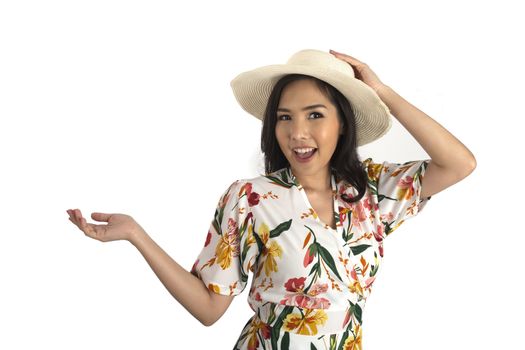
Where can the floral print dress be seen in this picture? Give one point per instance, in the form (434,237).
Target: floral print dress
(310,282)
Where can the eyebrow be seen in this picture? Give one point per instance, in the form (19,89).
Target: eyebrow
(304,109)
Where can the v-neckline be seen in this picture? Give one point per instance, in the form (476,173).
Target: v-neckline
(335,209)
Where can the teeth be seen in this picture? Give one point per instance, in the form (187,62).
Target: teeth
(303,150)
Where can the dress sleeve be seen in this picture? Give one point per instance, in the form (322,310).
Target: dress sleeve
(398,192)
(230,249)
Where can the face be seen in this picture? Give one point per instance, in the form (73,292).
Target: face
(306,118)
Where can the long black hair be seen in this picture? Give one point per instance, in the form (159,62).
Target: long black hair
(344,161)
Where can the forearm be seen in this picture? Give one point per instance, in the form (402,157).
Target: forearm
(187,289)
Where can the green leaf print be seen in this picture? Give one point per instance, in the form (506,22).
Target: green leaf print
(312,347)
(380,197)
(285,343)
(347,235)
(271,318)
(374,268)
(260,244)
(276,328)
(217,220)
(276,180)
(333,341)
(284,226)
(357,311)
(343,339)
(314,268)
(325,255)
(358,249)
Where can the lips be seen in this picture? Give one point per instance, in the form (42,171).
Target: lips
(301,158)
(306,154)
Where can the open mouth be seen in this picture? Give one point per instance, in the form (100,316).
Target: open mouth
(306,155)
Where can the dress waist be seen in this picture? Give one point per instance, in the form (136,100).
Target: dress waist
(310,322)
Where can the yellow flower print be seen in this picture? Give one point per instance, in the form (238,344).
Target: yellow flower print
(214,288)
(228,245)
(354,343)
(250,239)
(264,232)
(271,250)
(307,324)
(257,326)
(373,170)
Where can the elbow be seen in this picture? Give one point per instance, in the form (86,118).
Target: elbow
(473,163)
(208,322)
(467,169)
(472,166)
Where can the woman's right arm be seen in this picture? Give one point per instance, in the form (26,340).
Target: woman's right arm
(190,291)
(187,289)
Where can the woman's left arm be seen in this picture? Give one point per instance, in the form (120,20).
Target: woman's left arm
(451,161)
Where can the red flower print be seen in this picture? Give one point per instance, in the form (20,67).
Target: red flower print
(194,267)
(246,188)
(347,317)
(248,217)
(318,288)
(342,213)
(378,233)
(387,217)
(405,188)
(253,199)
(353,273)
(265,330)
(308,257)
(370,206)
(294,284)
(305,300)
(369,281)
(208,239)
(358,214)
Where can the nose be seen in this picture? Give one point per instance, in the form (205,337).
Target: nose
(299,129)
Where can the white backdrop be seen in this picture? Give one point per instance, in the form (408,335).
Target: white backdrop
(125,106)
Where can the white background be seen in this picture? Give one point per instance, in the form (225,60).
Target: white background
(125,106)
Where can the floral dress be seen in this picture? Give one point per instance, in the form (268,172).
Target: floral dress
(310,282)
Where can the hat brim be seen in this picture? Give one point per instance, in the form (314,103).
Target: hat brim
(253,88)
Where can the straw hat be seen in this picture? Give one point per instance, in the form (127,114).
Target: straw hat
(252,90)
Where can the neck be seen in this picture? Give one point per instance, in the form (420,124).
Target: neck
(317,182)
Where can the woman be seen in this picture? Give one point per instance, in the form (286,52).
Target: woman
(311,229)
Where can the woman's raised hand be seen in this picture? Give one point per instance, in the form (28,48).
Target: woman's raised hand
(119,226)
(362,71)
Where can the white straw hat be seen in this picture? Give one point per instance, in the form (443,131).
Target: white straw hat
(252,90)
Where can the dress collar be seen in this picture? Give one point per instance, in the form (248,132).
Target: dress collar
(290,177)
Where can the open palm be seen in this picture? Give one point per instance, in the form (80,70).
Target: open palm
(118,227)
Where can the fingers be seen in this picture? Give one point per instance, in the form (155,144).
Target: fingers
(100,216)
(75,216)
(346,57)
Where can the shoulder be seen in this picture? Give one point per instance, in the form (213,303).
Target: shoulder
(260,181)
(279,177)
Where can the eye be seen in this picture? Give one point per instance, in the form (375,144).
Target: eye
(280,117)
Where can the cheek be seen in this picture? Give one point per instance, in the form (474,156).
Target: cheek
(280,132)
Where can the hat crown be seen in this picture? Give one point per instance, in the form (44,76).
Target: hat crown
(322,60)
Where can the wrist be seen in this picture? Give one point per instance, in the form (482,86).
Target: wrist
(381,87)
(136,236)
